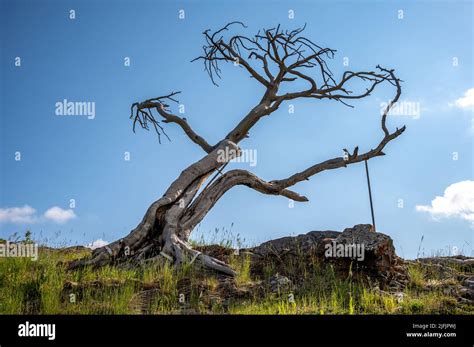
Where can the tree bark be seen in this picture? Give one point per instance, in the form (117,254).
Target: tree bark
(160,233)
(167,225)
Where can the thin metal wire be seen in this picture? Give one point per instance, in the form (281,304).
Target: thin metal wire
(370,194)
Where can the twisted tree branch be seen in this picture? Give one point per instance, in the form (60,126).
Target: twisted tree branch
(210,195)
(141,113)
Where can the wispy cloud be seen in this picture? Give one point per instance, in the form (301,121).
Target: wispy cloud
(97,244)
(58,215)
(457,202)
(466,102)
(28,215)
(18,215)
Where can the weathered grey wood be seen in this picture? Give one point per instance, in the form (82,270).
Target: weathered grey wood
(286,56)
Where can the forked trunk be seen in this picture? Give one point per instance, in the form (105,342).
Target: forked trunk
(169,221)
(165,229)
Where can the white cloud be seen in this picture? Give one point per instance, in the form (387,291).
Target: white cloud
(457,202)
(18,215)
(58,215)
(28,215)
(97,244)
(467,101)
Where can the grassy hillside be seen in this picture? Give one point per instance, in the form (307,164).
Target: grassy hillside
(45,287)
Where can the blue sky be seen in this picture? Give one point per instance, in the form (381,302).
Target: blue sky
(82,59)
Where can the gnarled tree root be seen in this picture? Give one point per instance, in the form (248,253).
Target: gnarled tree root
(174,250)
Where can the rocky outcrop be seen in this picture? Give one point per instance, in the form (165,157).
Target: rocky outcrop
(447,268)
(359,250)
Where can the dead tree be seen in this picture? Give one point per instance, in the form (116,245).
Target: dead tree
(273,57)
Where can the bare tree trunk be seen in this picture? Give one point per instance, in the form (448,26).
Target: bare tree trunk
(160,233)
(165,229)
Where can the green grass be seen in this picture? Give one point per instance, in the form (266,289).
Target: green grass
(241,264)
(45,287)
